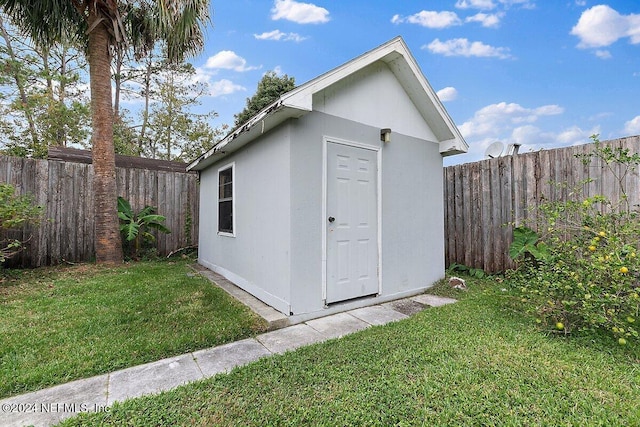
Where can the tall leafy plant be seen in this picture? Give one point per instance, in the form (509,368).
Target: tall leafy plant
(135,226)
(15,212)
(581,269)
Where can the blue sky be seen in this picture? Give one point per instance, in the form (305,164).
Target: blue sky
(543,73)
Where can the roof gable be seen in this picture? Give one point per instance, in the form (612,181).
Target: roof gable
(375,97)
(299,101)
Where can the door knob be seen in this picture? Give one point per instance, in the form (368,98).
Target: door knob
(331,219)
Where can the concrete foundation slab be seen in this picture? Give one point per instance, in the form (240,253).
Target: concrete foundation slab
(52,405)
(377,315)
(338,325)
(152,377)
(224,358)
(405,306)
(290,338)
(433,300)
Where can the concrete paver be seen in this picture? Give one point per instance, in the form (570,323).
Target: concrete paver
(52,405)
(274,318)
(377,315)
(405,306)
(224,358)
(152,378)
(433,300)
(290,338)
(337,325)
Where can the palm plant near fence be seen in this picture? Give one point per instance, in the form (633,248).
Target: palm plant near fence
(135,226)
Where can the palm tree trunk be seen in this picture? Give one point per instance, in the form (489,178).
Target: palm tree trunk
(107,235)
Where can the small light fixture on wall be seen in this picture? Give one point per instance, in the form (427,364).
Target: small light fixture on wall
(385,135)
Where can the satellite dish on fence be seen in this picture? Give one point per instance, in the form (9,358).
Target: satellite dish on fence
(494,150)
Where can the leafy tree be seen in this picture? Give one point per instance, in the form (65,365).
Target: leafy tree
(99,26)
(43,103)
(172,126)
(270,87)
(124,135)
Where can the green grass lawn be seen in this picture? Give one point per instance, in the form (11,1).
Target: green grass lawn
(64,323)
(474,363)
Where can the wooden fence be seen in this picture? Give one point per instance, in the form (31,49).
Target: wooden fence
(481,199)
(65,191)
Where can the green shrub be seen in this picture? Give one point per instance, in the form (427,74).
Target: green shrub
(581,269)
(478,273)
(15,212)
(135,226)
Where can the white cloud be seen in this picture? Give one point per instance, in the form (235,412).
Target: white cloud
(632,127)
(487,20)
(475,4)
(603,54)
(525,4)
(602,26)
(526,136)
(228,60)
(447,94)
(224,87)
(548,110)
(279,35)
(490,4)
(301,13)
(532,138)
(576,135)
(429,19)
(494,120)
(463,47)
(581,2)
(511,123)
(278,70)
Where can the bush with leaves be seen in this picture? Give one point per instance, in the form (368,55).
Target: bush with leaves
(134,226)
(478,273)
(15,212)
(581,269)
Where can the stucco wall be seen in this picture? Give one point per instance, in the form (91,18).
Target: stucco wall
(373,96)
(257,258)
(412,215)
(412,208)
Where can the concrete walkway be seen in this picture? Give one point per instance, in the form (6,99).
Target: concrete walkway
(49,406)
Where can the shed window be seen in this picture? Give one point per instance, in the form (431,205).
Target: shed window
(225,200)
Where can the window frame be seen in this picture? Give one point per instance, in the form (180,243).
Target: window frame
(224,168)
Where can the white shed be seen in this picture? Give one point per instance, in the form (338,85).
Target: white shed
(331,198)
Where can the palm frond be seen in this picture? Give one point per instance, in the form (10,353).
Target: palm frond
(47,22)
(180,25)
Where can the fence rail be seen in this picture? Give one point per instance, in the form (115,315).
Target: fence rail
(65,190)
(481,199)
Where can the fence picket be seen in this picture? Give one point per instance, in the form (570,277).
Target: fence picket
(490,193)
(65,191)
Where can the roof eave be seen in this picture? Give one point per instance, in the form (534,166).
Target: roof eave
(453,146)
(259,124)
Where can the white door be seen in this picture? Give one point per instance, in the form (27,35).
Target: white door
(352,222)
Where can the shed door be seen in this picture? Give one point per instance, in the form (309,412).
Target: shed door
(352,222)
